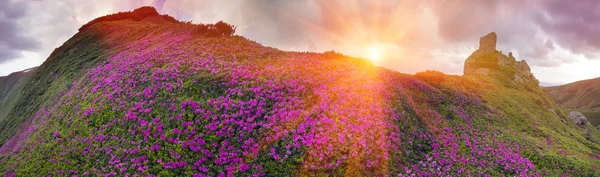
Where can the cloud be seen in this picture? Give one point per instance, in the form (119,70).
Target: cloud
(158,4)
(12,41)
(474,18)
(573,25)
(549,44)
(545,33)
(278,23)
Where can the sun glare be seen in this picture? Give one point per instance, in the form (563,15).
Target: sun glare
(374,53)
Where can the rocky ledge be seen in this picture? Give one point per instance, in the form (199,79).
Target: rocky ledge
(488,61)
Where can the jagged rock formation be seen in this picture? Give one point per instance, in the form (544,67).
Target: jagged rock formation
(488,42)
(487,60)
(578,118)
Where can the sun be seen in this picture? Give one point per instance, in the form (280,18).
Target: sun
(374,52)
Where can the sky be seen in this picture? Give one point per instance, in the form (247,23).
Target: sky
(558,39)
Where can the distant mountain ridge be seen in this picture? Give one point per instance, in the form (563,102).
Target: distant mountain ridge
(11,88)
(7,83)
(583,94)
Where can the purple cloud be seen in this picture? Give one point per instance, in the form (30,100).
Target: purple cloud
(574,25)
(12,41)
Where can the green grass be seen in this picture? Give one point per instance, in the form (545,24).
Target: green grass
(526,111)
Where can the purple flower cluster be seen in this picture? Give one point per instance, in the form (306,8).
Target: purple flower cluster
(170,104)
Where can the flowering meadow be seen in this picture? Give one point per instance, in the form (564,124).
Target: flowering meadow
(164,102)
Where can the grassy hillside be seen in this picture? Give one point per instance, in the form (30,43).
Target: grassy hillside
(152,97)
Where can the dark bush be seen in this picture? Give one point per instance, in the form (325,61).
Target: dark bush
(225,29)
(214,30)
(145,11)
(200,29)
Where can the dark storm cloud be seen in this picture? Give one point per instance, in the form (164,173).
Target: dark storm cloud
(12,41)
(574,25)
(539,54)
(530,29)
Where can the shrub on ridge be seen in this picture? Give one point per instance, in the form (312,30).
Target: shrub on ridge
(214,30)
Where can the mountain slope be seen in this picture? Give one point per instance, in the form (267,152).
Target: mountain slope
(152,97)
(11,89)
(583,94)
(8,83)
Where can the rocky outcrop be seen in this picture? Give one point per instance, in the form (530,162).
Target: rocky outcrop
(578,118)
(488,61)
(482,71)
(488,42)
